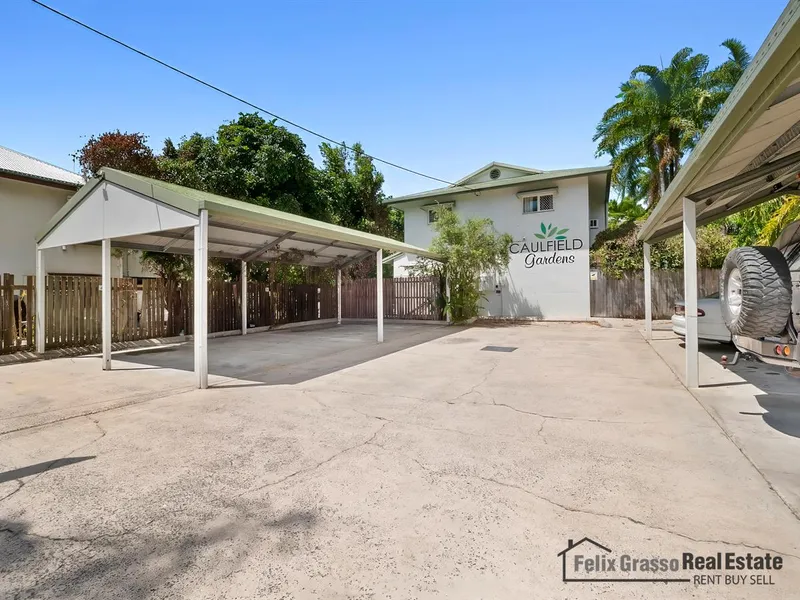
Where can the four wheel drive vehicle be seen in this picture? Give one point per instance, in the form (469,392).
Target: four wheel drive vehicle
(759,291)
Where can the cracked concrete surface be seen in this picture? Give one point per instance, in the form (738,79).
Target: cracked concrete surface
(437,471)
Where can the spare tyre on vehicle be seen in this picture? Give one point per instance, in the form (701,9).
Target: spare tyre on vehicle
(755,290)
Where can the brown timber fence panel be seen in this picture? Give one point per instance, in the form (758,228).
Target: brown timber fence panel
(295,302)
(259,305)
(153,309)
(624,297)
(327,302)
(16,314)
(224,310)
(403,298)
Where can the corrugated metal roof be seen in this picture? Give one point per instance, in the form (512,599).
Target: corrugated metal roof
(16,163)
(544,176)
(226,213)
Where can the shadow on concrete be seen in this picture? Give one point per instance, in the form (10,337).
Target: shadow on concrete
(781,388)
(288,356)
(41,467)
(161,559)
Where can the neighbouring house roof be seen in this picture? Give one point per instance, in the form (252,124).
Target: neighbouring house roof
(750,152)
(106,207)
(23,166)
(542,177)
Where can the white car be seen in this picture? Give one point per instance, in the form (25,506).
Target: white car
(710,325)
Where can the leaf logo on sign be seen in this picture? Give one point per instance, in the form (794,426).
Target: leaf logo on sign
(552,232)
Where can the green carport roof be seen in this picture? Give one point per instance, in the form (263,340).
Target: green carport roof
(237,229)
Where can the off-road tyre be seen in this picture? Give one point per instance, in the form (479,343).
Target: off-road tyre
(766,291)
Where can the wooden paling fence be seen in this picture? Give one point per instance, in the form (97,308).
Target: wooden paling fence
(624,297)
(153,309)
(403,298)
(16,308)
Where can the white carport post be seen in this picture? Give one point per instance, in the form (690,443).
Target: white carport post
(41,286)
(648,295)
(201,300)
(243,287)
(338,296)
(379,296)
(690,291)
(105,282)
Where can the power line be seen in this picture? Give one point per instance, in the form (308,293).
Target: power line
(235,97)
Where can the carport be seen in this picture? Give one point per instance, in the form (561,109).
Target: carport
(123,210)
(749,154)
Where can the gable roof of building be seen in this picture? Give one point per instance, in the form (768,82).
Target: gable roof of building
(498,165)
(237,229)
(544,177)
(27,167)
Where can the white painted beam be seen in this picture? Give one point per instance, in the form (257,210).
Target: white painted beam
(244,297)
(106,303)
(201,301)
(41,286)
(690,292)
(379,296)
(648,294)
(338,296)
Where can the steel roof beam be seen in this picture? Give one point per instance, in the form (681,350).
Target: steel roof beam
(741,179)
(268,246)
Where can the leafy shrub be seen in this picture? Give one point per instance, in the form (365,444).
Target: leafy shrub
(468,250)
(617,251)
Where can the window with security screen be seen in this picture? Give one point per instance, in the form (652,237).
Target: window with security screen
(535,204)
(546,202)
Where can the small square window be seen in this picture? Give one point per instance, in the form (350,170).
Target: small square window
(530,205)
(546,202)
(433,212)
(592,223)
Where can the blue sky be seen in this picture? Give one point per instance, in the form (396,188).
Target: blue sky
(439,86)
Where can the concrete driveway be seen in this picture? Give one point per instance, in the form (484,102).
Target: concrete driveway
(440,470)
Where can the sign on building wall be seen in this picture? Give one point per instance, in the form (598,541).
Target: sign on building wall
(551,246)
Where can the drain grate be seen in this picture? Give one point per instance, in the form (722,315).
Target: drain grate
(499,348)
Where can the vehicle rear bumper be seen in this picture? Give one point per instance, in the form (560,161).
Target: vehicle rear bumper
(679,325)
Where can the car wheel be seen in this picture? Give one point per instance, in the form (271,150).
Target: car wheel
(755,291)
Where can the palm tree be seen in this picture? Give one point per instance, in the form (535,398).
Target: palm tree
(624,211)
(661,114)
(788,211)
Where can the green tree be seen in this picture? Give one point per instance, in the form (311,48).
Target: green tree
(469,250)
(352,188)
(746,226)
(250,159)
(661,114)
(624,211)
(616,251)
(787,211)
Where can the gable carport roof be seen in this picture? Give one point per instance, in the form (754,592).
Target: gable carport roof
(751,151)
(147,214)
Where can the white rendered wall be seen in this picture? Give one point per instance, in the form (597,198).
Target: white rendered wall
(26,208)
(559,290)
(597,205)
